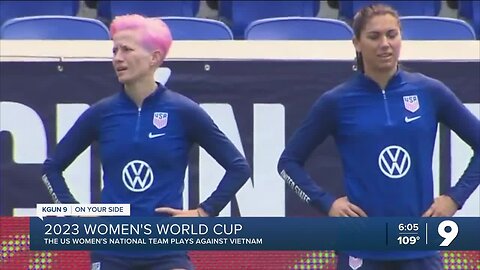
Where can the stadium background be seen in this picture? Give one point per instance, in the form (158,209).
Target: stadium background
(19,191)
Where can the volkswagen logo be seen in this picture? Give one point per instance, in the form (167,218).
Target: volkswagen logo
(137,176)
(394,161)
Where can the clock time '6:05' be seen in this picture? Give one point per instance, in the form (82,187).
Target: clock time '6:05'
(408,227)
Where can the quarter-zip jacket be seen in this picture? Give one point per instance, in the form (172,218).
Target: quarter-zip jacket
(386,139)
(144,152)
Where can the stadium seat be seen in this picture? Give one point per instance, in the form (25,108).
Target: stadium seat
(15,9)
(103,11)
(348,8)
(476,17)
(188,28)
(469,10)
(298,28)
(110,9)
(54,27)
(239,14)
(465,8)
(435,28)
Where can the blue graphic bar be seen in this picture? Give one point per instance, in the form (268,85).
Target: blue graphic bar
(132,233)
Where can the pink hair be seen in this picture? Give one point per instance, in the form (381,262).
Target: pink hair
(156,34)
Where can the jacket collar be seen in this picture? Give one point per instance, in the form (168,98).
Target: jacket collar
(396,80)
(157,92)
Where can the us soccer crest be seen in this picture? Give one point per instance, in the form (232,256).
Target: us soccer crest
(96,266)
(160,119)
(411,103)
(355,263)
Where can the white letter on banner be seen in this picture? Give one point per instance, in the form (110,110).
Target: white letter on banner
(27,130)
(267,188)
(267,185)
(461,155)
(77,175)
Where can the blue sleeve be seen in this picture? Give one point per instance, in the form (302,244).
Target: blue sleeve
(313,131)
(202,130)
(77,139)
(457,117)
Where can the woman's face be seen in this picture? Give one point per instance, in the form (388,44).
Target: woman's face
(380,42)
(131,61)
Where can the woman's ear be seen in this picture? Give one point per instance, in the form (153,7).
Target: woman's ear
(157,58)
(356,44)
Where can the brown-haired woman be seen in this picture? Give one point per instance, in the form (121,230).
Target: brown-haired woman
(384,122)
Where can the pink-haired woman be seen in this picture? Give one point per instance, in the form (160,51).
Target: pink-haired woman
(145,133)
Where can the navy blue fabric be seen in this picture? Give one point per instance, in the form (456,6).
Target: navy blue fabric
(101,262)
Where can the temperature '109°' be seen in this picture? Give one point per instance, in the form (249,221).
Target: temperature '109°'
(408,240)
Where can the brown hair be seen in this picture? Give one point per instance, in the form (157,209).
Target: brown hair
(361,19)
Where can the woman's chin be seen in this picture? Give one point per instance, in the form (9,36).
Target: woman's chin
(122,80)
(387,66)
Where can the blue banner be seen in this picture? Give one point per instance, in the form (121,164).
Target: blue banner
(126,233)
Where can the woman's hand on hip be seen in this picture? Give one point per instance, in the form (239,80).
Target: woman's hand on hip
(199,212)
(443,206)
(342,207)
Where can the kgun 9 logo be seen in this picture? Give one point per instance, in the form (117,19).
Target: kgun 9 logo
(448,235)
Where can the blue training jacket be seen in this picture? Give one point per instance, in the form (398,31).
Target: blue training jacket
(144,153)
(386,139)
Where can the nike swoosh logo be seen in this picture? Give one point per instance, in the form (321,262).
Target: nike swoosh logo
(152,135)
(408,120)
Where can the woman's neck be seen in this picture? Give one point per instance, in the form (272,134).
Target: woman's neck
(139,90)
(381,77)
